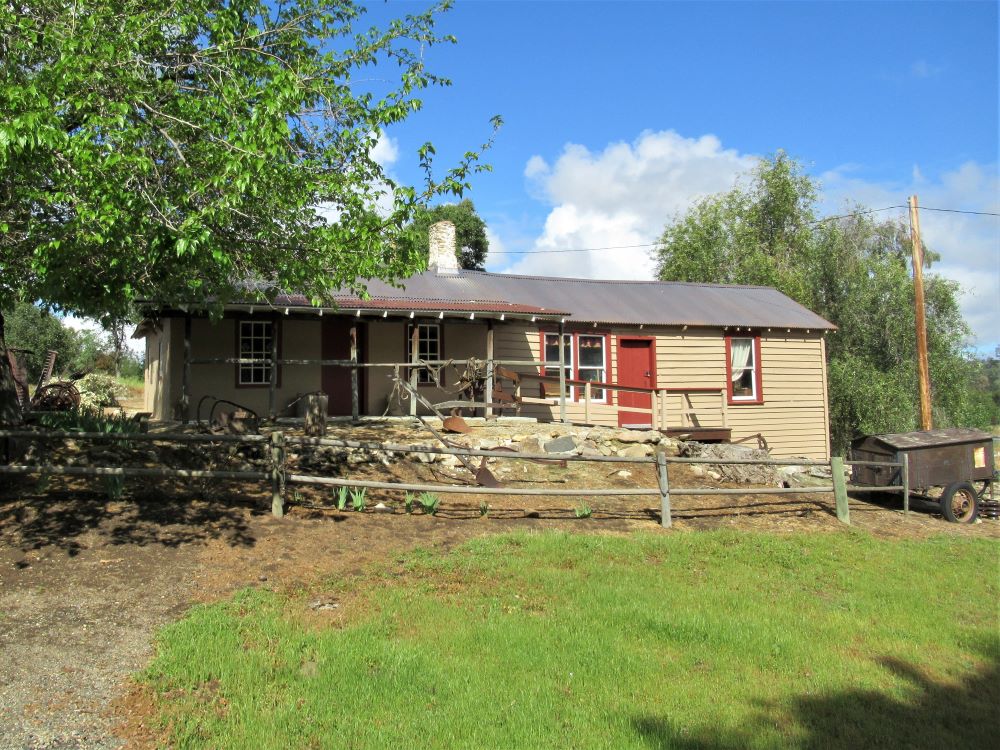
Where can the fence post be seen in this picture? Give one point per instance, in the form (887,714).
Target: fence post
(840,489)
(586,403)
(906,484)
(277,473)
(661,474)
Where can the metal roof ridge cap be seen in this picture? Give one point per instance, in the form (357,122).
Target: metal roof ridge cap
(649,282)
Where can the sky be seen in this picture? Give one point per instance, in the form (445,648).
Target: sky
(619,115)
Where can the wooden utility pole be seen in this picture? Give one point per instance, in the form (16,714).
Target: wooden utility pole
(918,301)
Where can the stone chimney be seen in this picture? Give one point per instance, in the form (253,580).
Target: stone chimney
(442,241)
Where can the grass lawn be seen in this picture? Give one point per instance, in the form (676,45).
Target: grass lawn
(556,640)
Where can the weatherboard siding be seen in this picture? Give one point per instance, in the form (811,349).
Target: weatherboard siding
(793,418)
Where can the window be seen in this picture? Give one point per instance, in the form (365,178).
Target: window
(428,347)
(743,369)
(256,337)
(585,358)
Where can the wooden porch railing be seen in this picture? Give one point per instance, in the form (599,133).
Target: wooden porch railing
(659,410)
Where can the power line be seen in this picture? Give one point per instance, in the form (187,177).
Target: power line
(817,221)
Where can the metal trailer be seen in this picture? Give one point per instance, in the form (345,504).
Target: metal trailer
(954,459)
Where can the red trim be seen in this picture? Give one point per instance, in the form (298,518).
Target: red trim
(575,350)
(276,330)
(758,381)
(406,346)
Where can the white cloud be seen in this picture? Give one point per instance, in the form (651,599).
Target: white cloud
(385,152)
(623,195)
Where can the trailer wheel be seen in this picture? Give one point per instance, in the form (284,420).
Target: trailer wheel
(960,503)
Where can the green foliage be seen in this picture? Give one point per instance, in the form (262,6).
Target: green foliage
(470,232)
(114,485)
(342,496)
(179,152)
(582,510)
(98,390)
(88,420)
(716,640)
(358,498)
(854,272)
(484,509)
(429,502)
(29,327)
(408,502)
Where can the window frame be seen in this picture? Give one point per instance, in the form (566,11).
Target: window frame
(575,392)
(758,396)
(407,332)
(275,324)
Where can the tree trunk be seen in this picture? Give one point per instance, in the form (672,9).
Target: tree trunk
(10,408)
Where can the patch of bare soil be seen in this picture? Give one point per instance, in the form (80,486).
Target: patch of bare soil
(85,582)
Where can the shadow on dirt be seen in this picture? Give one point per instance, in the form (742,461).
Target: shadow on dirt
(32,517)
(938,715)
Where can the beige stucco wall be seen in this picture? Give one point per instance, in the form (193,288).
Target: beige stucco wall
(793,418)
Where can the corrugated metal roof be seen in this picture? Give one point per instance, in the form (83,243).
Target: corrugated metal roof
(929,438)
(614,302)
(404,302)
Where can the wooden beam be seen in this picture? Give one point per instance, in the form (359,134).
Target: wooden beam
(414,359)
(186,374)
(488,412)
(272,390)
(562,371)
(355,401)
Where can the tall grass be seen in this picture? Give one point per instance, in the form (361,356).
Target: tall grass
(555,640)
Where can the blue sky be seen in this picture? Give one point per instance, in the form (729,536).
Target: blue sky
(619,114)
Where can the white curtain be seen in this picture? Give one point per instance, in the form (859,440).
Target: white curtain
(739,357)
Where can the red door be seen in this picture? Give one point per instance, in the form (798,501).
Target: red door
(636,368)
(336,381)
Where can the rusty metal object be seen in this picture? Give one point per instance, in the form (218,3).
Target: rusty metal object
(60,396)
(50,364)
(455,423)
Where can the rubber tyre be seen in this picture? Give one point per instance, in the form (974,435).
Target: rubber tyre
(960,502)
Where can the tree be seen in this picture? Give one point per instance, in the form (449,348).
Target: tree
(180,152)
(470,232)
(851,270)
(37,332)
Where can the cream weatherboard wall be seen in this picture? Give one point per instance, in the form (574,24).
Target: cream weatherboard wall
(793,417)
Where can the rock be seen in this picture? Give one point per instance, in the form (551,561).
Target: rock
(449,460)
(590,448)
(636,451)
(564,444)
(606,449)
(382,508)
(698,471)
(714,475)
(624,473)
(531,445)
(669,446)
(638,436)
(488,444)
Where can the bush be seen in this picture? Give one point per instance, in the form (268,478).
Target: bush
(98,390)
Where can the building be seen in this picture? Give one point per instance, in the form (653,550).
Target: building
(714,361)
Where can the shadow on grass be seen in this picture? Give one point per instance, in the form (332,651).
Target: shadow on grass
(939,715)
(162,515)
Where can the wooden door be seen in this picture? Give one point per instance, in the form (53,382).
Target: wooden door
(336,381)
(636,368)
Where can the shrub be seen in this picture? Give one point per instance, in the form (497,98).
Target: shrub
(583,510)
(98,390)
(358,498)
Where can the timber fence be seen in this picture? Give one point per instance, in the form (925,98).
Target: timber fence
(278,446)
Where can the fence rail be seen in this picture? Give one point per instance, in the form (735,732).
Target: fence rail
(279,476)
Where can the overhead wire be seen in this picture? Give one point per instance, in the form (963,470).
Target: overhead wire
(817,221)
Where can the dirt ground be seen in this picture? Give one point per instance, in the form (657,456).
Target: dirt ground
(85,582)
